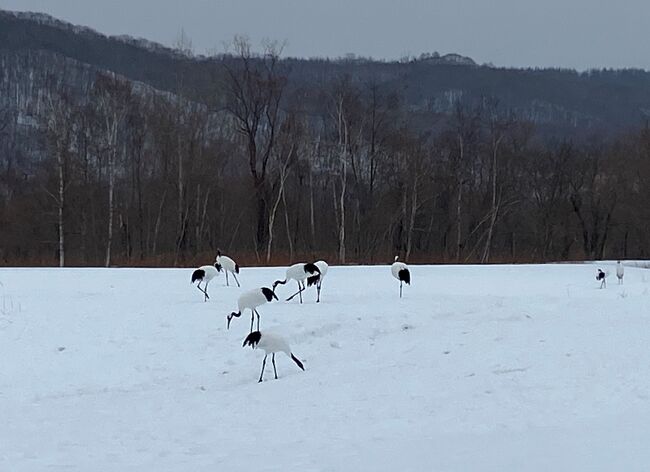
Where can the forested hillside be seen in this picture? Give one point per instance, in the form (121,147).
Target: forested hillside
(122,151)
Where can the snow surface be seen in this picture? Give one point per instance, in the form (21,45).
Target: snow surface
(486,368)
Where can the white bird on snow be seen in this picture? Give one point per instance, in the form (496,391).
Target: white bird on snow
(305,274)
(228,265)
(401,272)
(252,299)
(204,274)
(270,344)
(322,267)
(620,272)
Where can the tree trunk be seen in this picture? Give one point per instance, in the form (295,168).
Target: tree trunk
(272,213)
(411,226)
(181,197)
(459,201)
(283,177)
(61,208)
(341,236)
(111,206)
(262,220)
(459,221)
(494,208)
(286,222)
(157,225)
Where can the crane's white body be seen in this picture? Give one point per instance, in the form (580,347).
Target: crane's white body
(210,272)
(271,343)
(228,265)
(251,299)
(297,272)
(620,272)
(396,267)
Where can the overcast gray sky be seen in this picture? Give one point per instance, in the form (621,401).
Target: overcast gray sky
(566,33)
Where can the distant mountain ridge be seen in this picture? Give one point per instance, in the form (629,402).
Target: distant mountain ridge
(564,102)
(44,19)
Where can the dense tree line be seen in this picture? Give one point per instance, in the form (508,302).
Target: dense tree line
(275,173)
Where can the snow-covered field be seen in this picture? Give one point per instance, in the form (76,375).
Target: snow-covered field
(500,368)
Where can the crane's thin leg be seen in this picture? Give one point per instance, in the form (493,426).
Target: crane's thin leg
(252,319)
(400,289)
(291,297)
(233,274)
(318,297)
(274,371)
(227,283)
(301,289)
(263,364)
(258,321)
(205,294)
(206,291)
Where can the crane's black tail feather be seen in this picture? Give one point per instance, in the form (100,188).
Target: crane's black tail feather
(252,339)
(313,280)
(405,276)
(198,274)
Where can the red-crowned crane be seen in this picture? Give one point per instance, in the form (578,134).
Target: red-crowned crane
(228,265)
(270,344)
(401,272)
(204,274)
(620,272)
(305,274)
(322,267)
(251,300)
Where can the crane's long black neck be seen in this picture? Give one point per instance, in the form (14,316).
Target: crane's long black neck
(230,316)
(279,282)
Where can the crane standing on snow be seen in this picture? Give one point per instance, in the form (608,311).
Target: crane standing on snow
(322,267)
(228,265)
(205,274)
(270,343)
(401,272)
(620,272)
(301,273)
(252,299)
